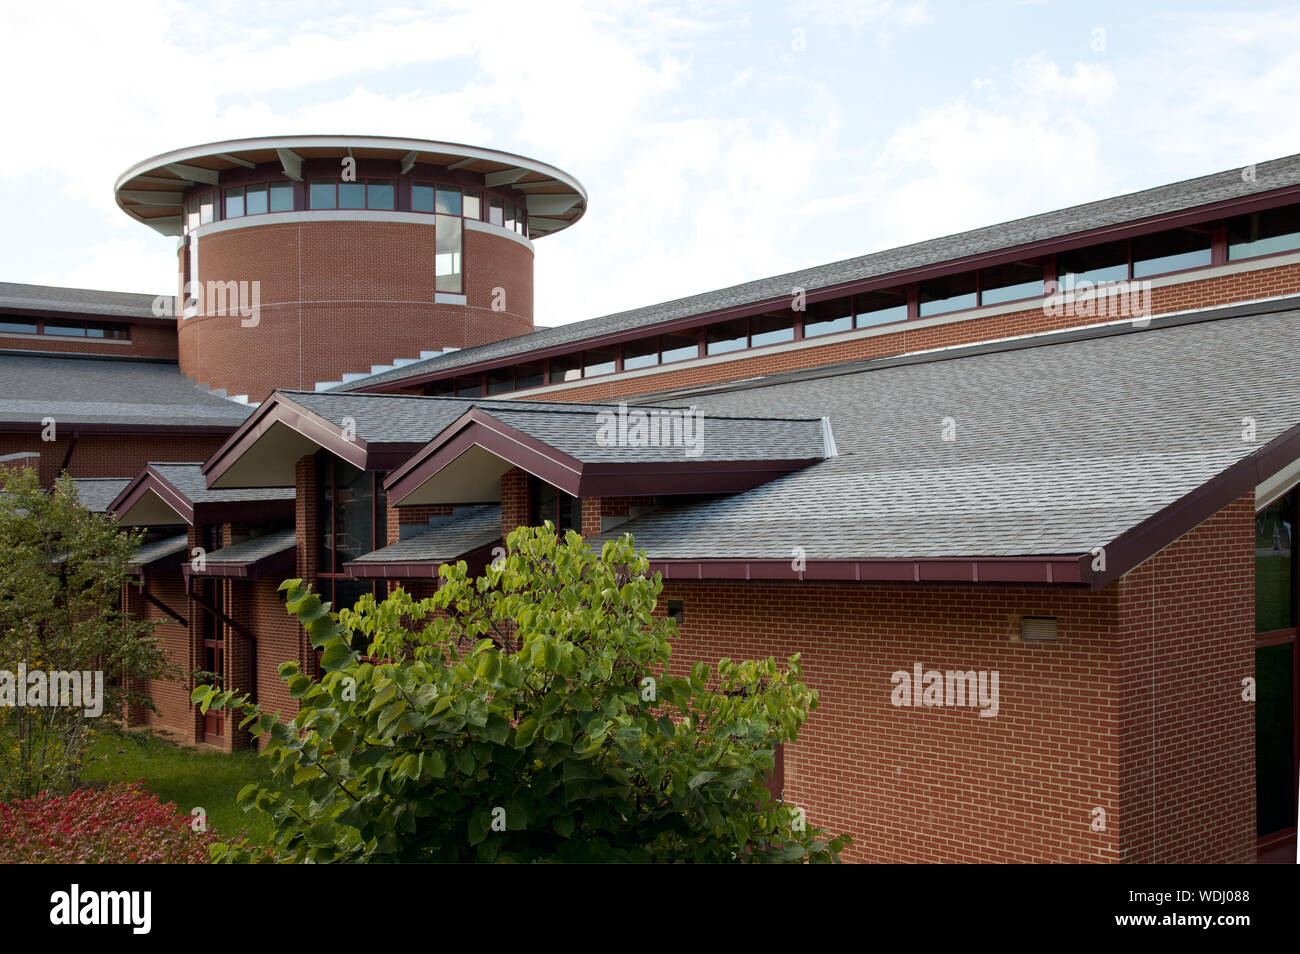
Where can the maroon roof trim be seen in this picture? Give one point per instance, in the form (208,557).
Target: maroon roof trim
(281,410)
(417,569)
(196,430)
(191,513)
(150,480)
(1152,535)
(251,570)
(477,428)
(1197,215)
(1047,570)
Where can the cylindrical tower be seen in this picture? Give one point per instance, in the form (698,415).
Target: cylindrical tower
(306,258)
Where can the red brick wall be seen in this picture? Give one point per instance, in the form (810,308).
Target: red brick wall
(514,501)
(399,517)
(1185,641)
(107,455)
(908,338)
(1135,710)
(339,297)
(306,527)
(175,713)
(147,341)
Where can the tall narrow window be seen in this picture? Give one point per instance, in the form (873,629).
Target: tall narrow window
(447,237)
(473,206)
(234,203)
(323,194)
(255,199)
(496,211)
(281,196)
(547,503)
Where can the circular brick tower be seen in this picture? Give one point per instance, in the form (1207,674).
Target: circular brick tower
(306,260)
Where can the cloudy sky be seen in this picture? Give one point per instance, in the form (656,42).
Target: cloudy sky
(718,141)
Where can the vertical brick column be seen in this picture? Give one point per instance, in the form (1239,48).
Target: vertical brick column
(514,500)
(306,524)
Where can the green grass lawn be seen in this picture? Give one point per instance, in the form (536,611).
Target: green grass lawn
(184,776)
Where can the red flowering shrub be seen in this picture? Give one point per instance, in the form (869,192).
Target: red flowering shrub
(121,824)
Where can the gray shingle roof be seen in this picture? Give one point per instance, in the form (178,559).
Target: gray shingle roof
(189,480)
(256,548)
(400,419)
(161,549)
(1188,194)
(114,392)
(96,493)
(82,301)
(457,535)
(1058,449)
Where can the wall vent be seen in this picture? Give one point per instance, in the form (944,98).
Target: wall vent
(1038,629)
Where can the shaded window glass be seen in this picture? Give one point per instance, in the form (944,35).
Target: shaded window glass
(448,201)
(938,296)
(281,196)
(192,215)
(1274,566)
(1100,263)
(9,326)
(95,331)
(1274,738)
(322,194)
(352,195)
(205,210)
(422,198)
(473,208)
(74,329)
(771,329)
(500,381)
(566,367)
(510,216)
(441,389)
(234,203)
(469,387)
(679,346)
(1170,251)
(598,361)
(1264,233)
(879,308)
(447,239)
(529,375)
(350,518)
(117,332)
(1011,282)
(520,222)
(727,336)
(496,211)
(380,194)
(828,317)
(255,200)
(547,503)
(640,354)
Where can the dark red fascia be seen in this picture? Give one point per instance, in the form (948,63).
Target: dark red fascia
(325,434)
(477,428)
(270,565)
(1241,205)
(201,513)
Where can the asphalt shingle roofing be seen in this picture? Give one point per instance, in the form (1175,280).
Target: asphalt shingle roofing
(189,480)
(464,531)
(255,548)
(160,550)
(114,392)
(1177,196)
(82,301)
(1057,449)
(96,493)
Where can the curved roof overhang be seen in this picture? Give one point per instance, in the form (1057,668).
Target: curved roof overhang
(153,191)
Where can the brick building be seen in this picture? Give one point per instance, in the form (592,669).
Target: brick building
(1023,497)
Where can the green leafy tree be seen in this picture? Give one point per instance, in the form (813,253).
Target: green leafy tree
(62,570)
(526,715)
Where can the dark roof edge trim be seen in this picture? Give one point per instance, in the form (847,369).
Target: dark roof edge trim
(1048,570)
(149,480)
(1237,206)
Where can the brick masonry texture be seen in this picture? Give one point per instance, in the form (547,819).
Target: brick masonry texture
(107,455)
(1283,280)
(339,297)
(147,341)
(1095,720)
